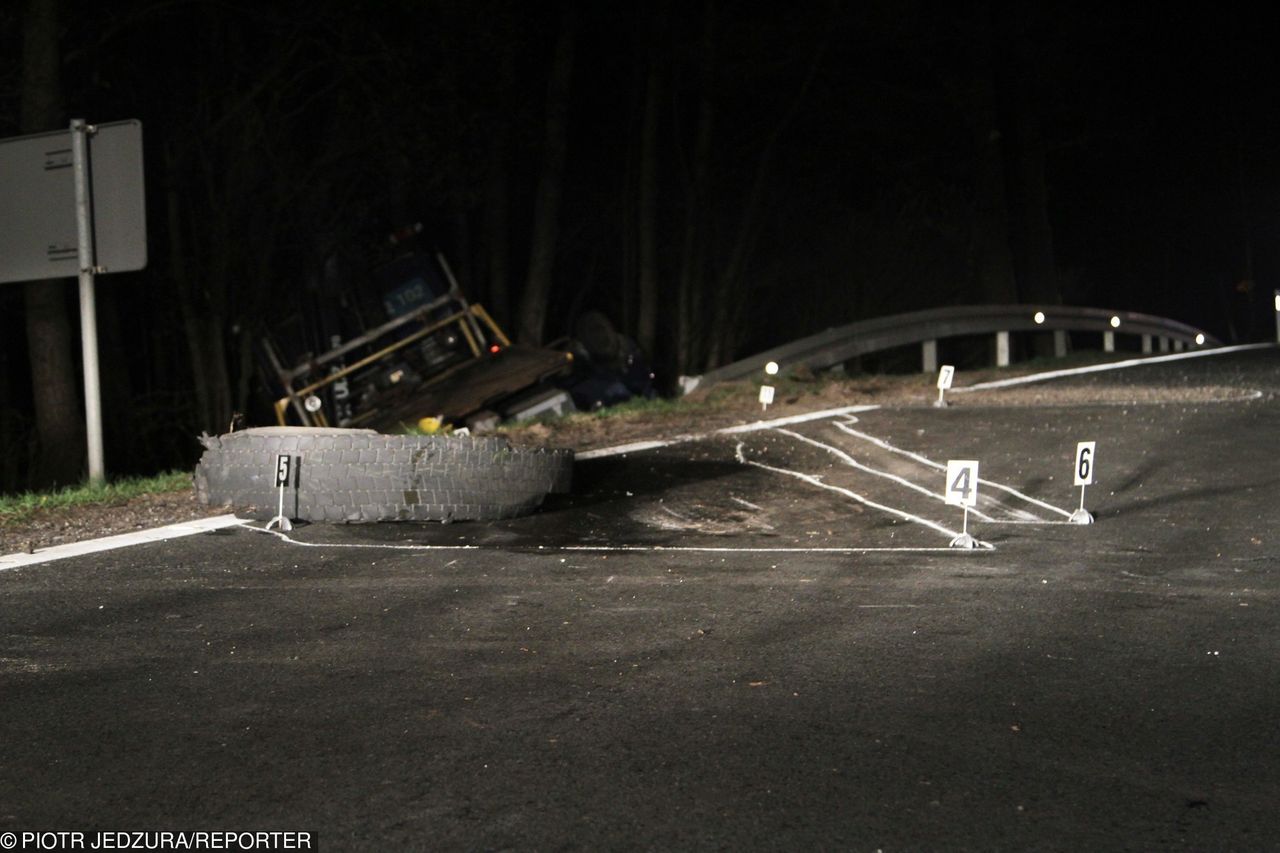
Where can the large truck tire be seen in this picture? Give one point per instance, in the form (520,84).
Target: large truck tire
(346,475)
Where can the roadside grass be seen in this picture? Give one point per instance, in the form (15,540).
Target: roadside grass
(19,507)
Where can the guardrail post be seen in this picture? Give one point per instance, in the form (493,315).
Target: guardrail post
(1108,341)
(929,356)
(1146,344)
(1002,349)
(1059,343)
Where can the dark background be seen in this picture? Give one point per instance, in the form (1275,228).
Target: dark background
(716,177)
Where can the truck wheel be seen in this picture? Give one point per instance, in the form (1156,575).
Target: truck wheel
(363,476)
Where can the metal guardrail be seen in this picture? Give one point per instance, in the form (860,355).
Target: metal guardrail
(837,345)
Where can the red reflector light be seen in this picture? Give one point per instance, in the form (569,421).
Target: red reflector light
(495,349)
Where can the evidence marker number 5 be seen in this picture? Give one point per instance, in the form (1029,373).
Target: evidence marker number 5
(283,463)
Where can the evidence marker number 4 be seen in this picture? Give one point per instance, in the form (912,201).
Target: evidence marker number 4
(962,490)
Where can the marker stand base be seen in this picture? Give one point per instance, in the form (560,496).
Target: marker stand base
(964,540)
(1082,515)
(939,403)
(280,520)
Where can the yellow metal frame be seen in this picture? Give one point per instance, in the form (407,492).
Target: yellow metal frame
(473,312)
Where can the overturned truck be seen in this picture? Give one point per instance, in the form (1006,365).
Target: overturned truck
(438,360)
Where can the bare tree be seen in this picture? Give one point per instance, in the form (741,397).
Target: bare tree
(546,215)
(59,425)
(647,204)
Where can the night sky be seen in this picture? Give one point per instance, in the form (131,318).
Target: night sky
(855,160)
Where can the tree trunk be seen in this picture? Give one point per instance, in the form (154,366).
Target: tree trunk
(496,239)
(60,428)
(1038,279)
(730,290)
(546,214)
(992,255)
(693,269)
(1040,283)
(647,215)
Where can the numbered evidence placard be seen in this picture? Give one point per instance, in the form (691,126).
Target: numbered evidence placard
(962,482)
(945,375)
(284,464)
(1084,463)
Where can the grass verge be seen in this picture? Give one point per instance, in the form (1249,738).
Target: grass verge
(15,508)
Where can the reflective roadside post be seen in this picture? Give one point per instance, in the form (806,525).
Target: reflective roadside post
(1278,316)
(766,390)
(945,375)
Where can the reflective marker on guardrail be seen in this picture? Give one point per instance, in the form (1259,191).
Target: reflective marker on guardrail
(766,391)
(945,375)
(962,491)
(1084,477)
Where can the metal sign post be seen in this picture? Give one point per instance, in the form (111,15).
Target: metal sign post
(88,306)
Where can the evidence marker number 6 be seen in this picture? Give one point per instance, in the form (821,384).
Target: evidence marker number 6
(1085,465)
(1084,462)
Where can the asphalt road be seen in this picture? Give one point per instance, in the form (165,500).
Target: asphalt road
(700,649)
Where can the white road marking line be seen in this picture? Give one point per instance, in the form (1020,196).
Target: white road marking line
(812,480)
(754,426)
(124,540)
(747,504)
(1099,368)
(634,447)
(880,442)
(876,472)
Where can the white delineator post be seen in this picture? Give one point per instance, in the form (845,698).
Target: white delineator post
(766,390)
(1277,298)
(1084,477)
(945,375)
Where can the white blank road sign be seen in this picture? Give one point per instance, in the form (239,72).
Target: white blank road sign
(38,237)
(1084,463)
(962,482)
